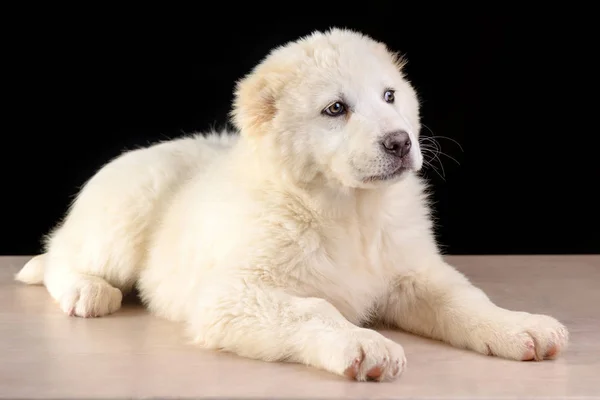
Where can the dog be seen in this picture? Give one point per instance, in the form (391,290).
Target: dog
(284,239)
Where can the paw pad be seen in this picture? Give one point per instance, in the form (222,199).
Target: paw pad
(352,371)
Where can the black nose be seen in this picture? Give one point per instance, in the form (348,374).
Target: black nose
(396,143)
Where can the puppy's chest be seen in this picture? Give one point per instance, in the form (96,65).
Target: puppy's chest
(348,265)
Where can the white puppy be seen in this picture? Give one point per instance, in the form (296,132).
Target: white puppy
(279,243)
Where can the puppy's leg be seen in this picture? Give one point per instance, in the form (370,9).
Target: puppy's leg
(97,252)
(439,302)
(87,280)
(270,325)
(81,294)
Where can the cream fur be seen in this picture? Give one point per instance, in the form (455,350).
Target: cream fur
(280,243)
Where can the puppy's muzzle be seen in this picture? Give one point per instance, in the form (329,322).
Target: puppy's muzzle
(396,144)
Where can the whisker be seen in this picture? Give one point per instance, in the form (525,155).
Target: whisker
(441,165)
(449,156)
(437,149)
(434,136)
(432,150)
(450,139)
(429,150)
(434,168)
(431,141)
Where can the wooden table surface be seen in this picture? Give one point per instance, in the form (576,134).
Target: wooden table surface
(45,354)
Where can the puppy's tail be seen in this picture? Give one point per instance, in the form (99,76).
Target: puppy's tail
(33,271)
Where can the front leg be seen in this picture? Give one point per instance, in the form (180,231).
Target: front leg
(439,302)
(268,324)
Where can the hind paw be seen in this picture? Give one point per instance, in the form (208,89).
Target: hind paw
(91,298)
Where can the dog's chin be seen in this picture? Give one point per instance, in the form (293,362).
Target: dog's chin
(392,176)
(387,177)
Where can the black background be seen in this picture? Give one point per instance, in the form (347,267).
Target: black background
(512,88)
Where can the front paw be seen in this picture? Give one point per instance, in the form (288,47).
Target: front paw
(366,355)
(522,336)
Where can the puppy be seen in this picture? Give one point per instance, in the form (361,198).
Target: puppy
(280,241)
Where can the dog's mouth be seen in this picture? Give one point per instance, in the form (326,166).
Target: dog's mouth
(388,176)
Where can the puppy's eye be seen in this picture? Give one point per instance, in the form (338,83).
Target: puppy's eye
(388,96)
(336,109)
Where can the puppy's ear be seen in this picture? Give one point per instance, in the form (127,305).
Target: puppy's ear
(255,102)
(398,59)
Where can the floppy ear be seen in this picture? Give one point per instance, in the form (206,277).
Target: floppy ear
(255,103)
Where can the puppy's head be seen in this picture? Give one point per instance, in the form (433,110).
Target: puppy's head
(333,106)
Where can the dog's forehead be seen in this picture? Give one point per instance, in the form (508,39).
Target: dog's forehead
(348,71)
(352,59)
(328,67)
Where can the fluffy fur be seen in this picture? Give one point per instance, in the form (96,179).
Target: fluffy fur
(281,242)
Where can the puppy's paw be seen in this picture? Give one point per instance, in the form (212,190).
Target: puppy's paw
(523,336)
(368,355)
(90,298)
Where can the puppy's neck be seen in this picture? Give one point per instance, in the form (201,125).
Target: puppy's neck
(338,202)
